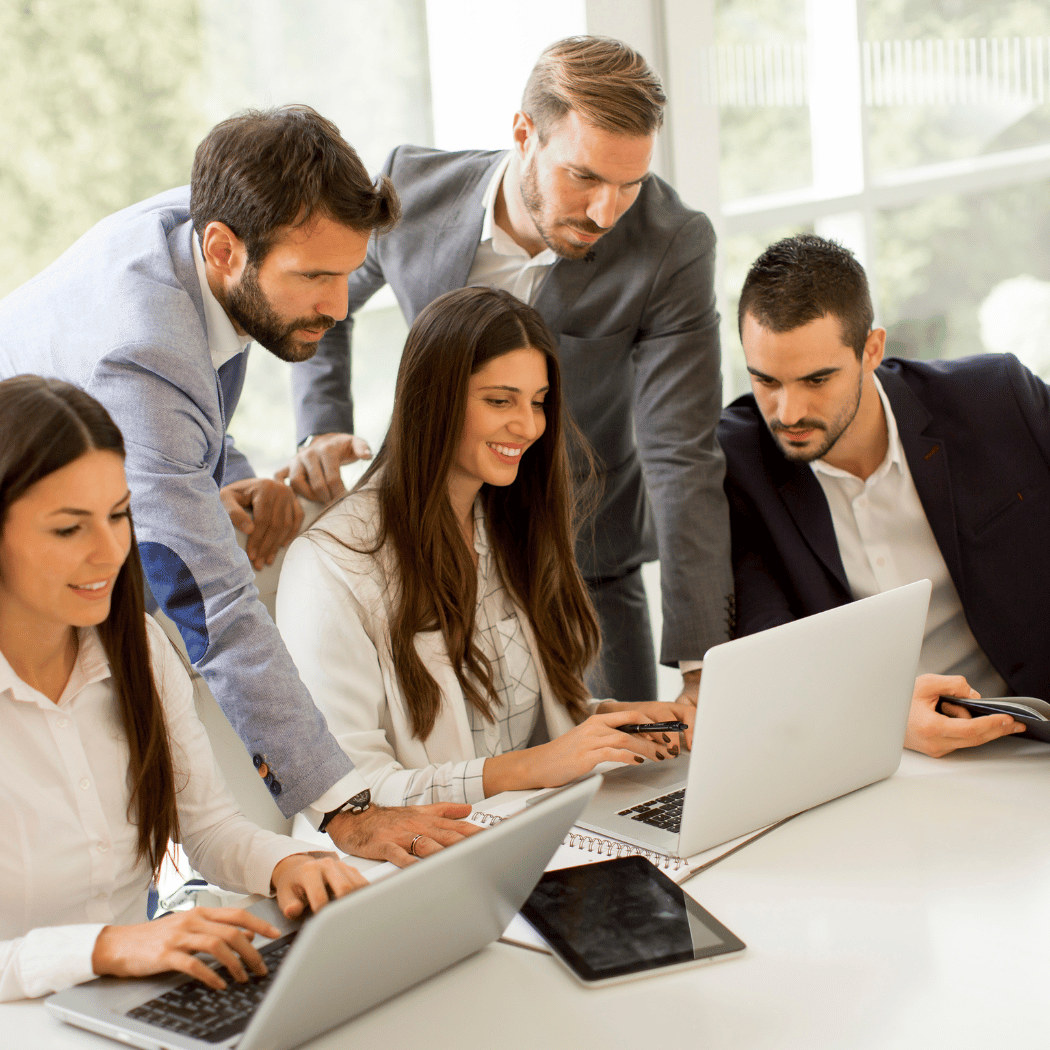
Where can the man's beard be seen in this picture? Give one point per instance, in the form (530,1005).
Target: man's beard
(250,308)
(533,201)
(832,431)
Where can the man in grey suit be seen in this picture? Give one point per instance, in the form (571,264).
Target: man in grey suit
(152,312)
(572,220)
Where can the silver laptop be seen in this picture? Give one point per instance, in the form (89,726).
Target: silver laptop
(353,954)
(787,719)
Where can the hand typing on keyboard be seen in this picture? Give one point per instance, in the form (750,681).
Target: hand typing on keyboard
(169,944)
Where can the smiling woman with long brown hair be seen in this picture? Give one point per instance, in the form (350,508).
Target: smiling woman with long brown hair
(436,613)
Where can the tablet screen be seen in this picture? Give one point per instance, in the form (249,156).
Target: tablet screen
(623,917)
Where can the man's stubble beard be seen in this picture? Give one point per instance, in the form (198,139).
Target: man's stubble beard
(831,433)
(534,203)
(248,306)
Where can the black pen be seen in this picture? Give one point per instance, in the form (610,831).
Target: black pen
(653,727)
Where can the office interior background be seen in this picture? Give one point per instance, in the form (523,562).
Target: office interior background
(915,131)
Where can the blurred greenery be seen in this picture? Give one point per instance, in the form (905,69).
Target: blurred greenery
(103,102)
(934,262)
(764,149)
(99,107)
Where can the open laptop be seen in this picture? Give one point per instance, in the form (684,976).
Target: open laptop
(353,954)
(787,719)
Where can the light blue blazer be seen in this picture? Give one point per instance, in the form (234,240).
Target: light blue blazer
(121,315)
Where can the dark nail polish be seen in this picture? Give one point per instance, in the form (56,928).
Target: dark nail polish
(660,755)
(639,759)
(667,739)
(674,751)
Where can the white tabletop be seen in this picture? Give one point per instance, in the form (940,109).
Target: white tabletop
(912,914)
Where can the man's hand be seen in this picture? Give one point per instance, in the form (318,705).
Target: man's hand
(313,472)
(387,832)
(937,735)
(267,512)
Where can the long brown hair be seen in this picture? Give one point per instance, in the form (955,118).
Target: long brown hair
(46,424)
(531,522)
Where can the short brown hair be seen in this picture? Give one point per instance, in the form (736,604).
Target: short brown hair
(804,278)
(266,169)
(609,84)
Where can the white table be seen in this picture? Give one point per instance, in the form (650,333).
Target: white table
(912,914)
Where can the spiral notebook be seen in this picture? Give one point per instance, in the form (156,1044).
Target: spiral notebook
(584,847)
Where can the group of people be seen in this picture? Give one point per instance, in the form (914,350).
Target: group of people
(471,617)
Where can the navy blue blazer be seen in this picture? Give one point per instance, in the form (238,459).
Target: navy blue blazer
(976,434)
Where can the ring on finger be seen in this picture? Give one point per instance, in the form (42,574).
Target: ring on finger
(412,846)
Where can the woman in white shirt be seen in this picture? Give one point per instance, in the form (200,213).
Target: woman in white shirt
(436,613)
(104,759)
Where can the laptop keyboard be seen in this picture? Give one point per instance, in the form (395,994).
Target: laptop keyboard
(664,812)
(195,1010)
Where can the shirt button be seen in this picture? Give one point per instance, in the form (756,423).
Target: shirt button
(85,784)
(62,723)
(102,897)
(880,562)
(102,847)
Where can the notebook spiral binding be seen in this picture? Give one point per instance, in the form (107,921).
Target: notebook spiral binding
(598,844)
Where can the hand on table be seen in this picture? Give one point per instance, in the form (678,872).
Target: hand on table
(306,880)
(937,735)
(267,512)
(313,472)
(170,943)
(387,832)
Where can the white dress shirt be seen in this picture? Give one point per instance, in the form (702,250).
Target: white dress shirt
(67,848)
(885,541)
(500,262)
(223,340)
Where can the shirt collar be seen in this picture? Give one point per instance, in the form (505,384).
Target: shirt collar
(91,666)
(223,340)
(501,242)
(894,450)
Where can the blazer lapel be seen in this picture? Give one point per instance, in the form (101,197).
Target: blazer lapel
(455,243)
(927,456)
(804,499)
(561,290)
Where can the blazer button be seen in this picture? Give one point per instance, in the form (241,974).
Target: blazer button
(257,760)
(275,787)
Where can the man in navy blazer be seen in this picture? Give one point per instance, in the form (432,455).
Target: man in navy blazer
(847,476)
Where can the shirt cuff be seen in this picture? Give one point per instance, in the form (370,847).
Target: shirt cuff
(51,958)
(690,665)
(342,791)
(474,781)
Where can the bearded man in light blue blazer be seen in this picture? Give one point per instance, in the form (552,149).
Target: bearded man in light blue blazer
(572,221)
(152,311)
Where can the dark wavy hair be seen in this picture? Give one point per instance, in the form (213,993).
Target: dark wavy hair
(46,424)
(532,522)
(262,170)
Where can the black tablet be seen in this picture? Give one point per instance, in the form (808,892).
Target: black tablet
(623,918)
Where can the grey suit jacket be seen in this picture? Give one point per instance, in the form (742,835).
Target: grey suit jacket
(121,315)
(638,332)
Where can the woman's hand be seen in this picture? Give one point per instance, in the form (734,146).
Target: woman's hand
(312,880)
(572,755)
(170,943)
(658,711)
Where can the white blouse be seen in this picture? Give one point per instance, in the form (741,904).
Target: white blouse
(333,611)
(67,848)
